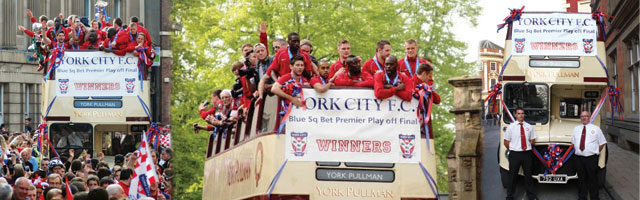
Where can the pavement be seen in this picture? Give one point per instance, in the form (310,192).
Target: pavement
(621,183)
(622,173)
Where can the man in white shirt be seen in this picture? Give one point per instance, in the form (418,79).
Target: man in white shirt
(519,139)
(69,139)
(588,141)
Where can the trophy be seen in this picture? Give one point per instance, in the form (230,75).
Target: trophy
(100,9)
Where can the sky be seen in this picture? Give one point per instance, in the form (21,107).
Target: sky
(493,12)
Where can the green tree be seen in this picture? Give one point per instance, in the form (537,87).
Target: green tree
(212,32)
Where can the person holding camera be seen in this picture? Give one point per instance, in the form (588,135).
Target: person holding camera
(247,81)
(227,115)
(29,162)
(78,32)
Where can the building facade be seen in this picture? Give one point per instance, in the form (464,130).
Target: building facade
(623,55)
(21,84)
(490,60)
(578,6)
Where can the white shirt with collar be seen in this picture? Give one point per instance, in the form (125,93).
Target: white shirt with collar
(593,139)
(513,136)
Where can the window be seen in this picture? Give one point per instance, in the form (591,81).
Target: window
(493,66)
(632,66)
(493,82)
(633,89)
(571,107)
(119,142)
(532,97)
(613,69)
(637,50)
(117,8)
(87,8)
(27,90)
(72,136)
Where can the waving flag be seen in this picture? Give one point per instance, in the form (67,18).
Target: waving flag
(144,173)
(69,194)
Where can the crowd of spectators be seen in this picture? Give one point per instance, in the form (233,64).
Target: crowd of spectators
(27,173)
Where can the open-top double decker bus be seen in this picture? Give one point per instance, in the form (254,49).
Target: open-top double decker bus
(346,145)
(96,101)
(554,70)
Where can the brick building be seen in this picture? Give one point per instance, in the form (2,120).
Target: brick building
(490,60)
(578,6)
(623,55)
(21,84)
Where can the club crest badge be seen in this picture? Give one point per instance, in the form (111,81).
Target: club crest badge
(407,145)
(130,84)
(519,45)
(299,143)
(588,45)
(63,85)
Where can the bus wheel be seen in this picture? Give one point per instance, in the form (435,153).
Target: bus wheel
(602,176)
(504,176)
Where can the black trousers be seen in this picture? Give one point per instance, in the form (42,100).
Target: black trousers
(517,159)
(587,168)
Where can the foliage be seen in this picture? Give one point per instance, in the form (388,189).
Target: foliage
(212,32)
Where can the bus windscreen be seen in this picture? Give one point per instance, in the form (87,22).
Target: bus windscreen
(532,97)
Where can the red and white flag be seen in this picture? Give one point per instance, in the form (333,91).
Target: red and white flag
(144,173)
(165,140)
(69,194)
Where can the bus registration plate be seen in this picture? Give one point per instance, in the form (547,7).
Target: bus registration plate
(550,178)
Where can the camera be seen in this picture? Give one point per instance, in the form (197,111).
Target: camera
(249,72)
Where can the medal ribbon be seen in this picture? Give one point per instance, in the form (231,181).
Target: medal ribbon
(78,31)
(54,33)
(375,60)
(131,37)
(114,38)
(406,65)
(290,54)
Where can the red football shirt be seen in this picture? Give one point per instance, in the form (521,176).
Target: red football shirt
(318,79)
(381,93)
(283,80)
(366,80)
(373,67)
(281,62)
(335,67)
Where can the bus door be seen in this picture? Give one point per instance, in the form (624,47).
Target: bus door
(114,139)
(67,136)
